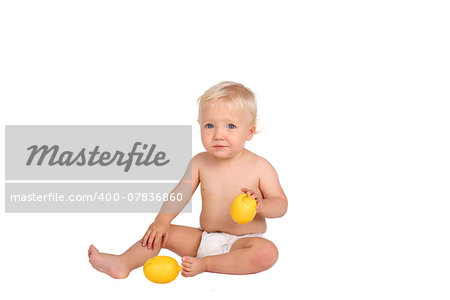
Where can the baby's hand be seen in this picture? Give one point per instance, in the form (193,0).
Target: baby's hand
(256,196)
(156,235)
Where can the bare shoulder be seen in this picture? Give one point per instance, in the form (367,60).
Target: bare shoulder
(200,159)
(260,163)
(269,183)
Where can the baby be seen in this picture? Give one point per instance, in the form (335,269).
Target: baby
(227,116)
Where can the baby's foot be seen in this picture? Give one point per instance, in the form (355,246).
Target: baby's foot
(192,266)
(107,263)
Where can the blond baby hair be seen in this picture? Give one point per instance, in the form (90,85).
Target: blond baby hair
(231,93)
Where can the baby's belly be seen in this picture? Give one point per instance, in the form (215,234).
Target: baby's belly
(212,221)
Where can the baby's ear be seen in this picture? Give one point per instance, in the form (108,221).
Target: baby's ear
(251,132)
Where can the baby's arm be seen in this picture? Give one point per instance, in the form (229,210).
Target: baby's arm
(273,202)
(186,187)
(158,231)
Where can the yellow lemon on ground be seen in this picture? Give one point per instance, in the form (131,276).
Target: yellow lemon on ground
(243,209)
(161,269)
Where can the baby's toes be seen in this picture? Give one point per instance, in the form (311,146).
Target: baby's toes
(92,250)
(188,272)
(186,266)
(187,261)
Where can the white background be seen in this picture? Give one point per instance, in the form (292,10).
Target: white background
(353,105)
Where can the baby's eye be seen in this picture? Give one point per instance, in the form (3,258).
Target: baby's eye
(209,126)
(231,126)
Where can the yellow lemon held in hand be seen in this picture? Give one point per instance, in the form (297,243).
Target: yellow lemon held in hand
(243,209)
(161,269)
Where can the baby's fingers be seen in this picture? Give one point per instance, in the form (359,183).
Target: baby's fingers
(156,241)
(164,240)
(145,238)
(245,190)
(151,239)
(251,193)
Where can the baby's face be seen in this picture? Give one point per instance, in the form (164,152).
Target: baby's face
(223,130)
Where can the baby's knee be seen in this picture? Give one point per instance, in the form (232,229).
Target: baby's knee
(266,255)
(168,241)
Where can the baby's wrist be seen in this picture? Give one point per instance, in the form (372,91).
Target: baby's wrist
(260,207)
(163,218)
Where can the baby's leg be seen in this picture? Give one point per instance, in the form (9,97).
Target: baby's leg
(247,256)
(182,240)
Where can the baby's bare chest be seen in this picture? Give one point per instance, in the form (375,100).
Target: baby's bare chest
(223,185)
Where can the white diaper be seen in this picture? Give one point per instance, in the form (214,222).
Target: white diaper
(215,243)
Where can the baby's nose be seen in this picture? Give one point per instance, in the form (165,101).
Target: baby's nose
(218,134)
